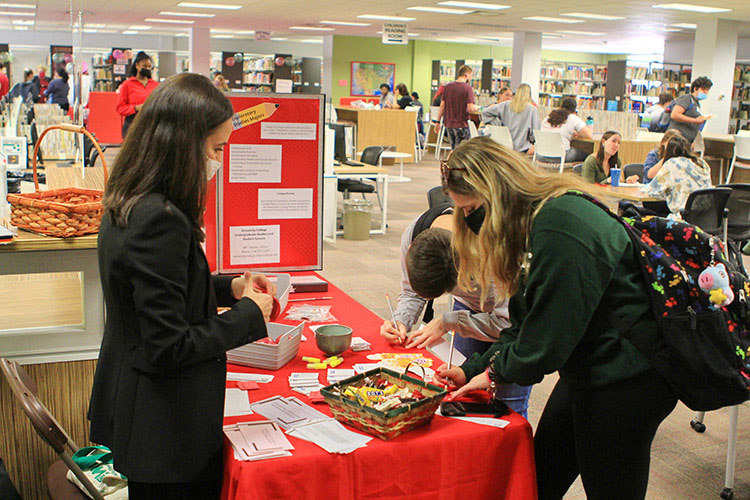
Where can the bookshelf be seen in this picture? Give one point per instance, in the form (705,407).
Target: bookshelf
(585,82)
(501,71)
(740,114)
(645,81)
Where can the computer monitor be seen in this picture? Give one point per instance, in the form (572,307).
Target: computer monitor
(339,148)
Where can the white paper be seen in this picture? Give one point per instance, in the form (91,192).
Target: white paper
(236,403)
(287,412)
(264,436)
(331,436)
(363,367)
(254,163)
(442,351)
(254,244)
(249,377)
(243,451)
(284,86)
(339,374)
(288,131)
(492,422)
(285,203)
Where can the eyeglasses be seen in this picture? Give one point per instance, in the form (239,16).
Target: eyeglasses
(445,170)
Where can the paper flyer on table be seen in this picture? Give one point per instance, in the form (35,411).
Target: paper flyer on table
(236,403)
(330,435)
(441,350)
(249,377)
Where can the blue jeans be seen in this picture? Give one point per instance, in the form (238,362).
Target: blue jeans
(514,395)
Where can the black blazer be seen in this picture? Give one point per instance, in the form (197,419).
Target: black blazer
(158,394)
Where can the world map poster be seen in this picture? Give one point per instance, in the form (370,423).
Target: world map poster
(367,77)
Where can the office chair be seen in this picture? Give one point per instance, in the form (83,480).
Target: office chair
(436,196)
(633,169)
(25,391)
(705,208)
(370,156)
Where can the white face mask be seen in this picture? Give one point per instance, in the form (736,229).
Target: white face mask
(212,166)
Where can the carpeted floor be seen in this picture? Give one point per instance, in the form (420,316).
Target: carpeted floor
(685,465)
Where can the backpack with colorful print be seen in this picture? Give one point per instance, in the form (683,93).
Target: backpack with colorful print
(704,355)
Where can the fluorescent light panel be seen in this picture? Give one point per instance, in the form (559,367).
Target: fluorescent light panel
(344,23)
(691,8)
(475,5)
(439,10)
(138,27)
(687,26)
(130,32)
(278,39)
(310,28)
(585,33)
(219,6)
(311,40)
(23,14)
(23,22)
(18,5)
(185,14)
(386,18)
(553,19)
(585,15)
(168,21)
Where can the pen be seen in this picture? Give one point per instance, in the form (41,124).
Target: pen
(450,354)
(311,298)
(393,315)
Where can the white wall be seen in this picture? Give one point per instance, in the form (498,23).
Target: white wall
(682,51)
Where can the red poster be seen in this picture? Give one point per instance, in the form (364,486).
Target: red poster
(269,200)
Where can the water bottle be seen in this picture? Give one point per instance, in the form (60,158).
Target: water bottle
(590,121)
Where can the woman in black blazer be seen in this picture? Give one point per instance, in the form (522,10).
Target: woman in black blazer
(158,393)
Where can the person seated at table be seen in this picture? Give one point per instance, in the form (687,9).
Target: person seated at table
(654,160)
(597,166)
(420,114)
(505,95)
(681,173)
(428,272)
(386,96)
(519,115)
(401,97)
(568,265)
(565,120)
(654,115)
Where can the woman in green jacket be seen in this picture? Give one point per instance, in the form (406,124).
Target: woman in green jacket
(567,264)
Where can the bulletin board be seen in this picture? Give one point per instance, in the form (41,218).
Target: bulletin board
(269,192)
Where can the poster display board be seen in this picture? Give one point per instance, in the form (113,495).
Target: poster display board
(268,199)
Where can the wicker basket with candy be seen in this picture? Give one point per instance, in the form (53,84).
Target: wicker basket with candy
(383,402)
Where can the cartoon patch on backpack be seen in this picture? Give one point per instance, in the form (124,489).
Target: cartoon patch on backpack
(714,280)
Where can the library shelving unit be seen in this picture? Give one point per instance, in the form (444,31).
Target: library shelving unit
(103,78)
(306,75)
(637,85)
(476,78)
(585,82)
(258,73)
(501,71)
(740,116)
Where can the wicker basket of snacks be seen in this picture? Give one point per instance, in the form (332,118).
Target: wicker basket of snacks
(383,402)
(61,213)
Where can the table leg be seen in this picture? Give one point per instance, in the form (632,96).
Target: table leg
(400,177)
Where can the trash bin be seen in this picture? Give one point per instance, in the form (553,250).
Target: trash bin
(357,218)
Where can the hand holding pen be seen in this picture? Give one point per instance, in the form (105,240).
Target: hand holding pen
(393,331)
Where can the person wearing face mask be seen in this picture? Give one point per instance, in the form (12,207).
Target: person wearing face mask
(134,91)
(686,116)
(158,395)
(569,268)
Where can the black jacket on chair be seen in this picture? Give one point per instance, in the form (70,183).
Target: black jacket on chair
(158,394)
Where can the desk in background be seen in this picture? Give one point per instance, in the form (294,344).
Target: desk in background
(385,127)
(444,459)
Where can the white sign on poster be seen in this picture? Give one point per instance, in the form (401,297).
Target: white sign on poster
(254,163)
(395,33)
(285,203)
(254,245)
(284,86)
(286,131)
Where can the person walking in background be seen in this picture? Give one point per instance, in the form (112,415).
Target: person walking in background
(686,116)
(26,90)
(58,89)
(653,114)
(41,77)
(519,115)
(565,120)
(135,90)
(4,82)
(457,103)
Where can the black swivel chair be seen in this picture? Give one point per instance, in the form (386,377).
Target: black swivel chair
(705,208)
(436,196)
(578,168)
(633,169)
(370,156)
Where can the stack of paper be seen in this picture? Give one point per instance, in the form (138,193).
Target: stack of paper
(360,344)
(287,412)
(364,367)
(339,374)
(304,383)
(236,403)
(250,377)
(257,440)
(331,436)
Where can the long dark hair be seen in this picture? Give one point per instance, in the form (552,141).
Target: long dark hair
(558,116)
(63,74)
(402,90)
(600,154)
(140,56)
(164,151)
(678,147)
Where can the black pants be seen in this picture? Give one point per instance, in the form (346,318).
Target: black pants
(173,491)
(604,434)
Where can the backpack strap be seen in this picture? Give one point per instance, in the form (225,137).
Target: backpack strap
(423,223)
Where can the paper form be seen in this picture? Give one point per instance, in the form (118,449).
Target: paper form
(254,244)
(236,403)
(264,436)
(254,163)
(289,131)
(285,203)
(331,436)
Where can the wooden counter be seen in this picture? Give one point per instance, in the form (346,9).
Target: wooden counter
(30,242)
(386,127)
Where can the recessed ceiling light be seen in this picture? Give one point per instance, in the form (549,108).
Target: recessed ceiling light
(687,26)
(585,15)
(169,21)
(439,10)
(181,34)
(24,14)
(220,6)
(673,30)
(185,14)
(586,33)
(94,25)
(90,30)
(130,32)
(311,40)
(18,5)
(386,18)
(311,28)
(21,28)
(344,23)
(139,27)
(553,19)
(26,22)
(278,39)
(475,5)
(690,7)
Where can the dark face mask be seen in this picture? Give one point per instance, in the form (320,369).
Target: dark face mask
(475,219)
(145,73)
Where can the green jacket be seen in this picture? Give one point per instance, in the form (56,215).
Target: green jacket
(592,172)
(583,264)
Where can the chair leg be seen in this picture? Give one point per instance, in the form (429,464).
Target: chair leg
(731,451)
(697,423)
(731,170)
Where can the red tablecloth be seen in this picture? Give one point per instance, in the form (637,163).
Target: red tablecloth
(446,459)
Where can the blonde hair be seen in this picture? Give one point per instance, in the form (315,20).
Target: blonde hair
(512,191)
(521,99)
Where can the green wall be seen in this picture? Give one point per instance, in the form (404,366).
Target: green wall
(414,60)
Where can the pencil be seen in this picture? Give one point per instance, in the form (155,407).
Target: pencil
(450,354)
(393,315)
(311,298)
